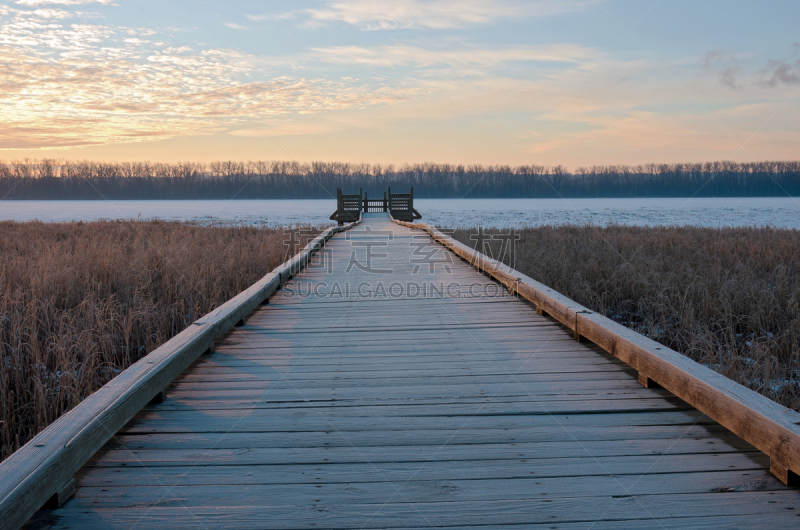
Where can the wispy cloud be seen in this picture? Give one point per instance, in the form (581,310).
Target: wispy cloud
(273,128)
(405,55)
(435,14)
(274,16)
(52,13)
(34,3)
(783,71)
(729,69)
(234,25)
(724,65)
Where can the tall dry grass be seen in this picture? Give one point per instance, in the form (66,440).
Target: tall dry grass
(728,298)
(79,302)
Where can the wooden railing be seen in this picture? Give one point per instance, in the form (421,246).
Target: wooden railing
(401,205)
(41,471)
(770,427)
(348,207)
(376,205)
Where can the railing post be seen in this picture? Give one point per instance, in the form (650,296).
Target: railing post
(360,200)
(366,202)
(385,204)
(389,204)
(339,206)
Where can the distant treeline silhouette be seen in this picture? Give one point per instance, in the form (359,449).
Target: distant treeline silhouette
(50,179)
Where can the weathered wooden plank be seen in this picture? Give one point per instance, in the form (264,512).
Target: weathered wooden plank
(508,392)
(542,509)
(401,368)
(369,331)
(364,353)
(400,384)
(426,491)
(386,452)
(218,374)
(344,336)
(631,466)
(311,349)
(453,407)
(437,406)
(532,384)
(250,421)
(538,382)
(322,304)
(413,435)
(478,309)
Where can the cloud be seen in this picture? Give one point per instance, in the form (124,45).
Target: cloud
(274,128)
(435,14)
(273,16)
(728,69)
(724,65)
(86,84)
(52,13)
(34,3)
(782,71)
(234,25)
(405,55)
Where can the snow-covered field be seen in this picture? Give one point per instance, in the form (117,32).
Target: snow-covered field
(778,212)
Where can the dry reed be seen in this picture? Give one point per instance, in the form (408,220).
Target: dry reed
(728,298)
(79,302)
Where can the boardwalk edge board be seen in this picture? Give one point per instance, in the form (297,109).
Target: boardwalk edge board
(770,427)
(32,475)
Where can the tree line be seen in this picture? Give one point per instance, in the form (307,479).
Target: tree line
(51,179)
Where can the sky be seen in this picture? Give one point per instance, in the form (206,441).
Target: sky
(571,82)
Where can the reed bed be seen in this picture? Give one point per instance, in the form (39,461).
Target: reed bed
(79,302)
(728,298)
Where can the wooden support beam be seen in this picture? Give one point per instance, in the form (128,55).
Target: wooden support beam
(61,496)
(161,397)
(647,382)
(784,474)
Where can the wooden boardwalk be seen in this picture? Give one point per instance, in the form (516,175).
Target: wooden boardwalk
(352,400)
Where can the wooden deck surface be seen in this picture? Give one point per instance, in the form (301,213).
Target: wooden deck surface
(345,403)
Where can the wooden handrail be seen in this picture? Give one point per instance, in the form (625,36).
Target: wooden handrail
(37,470)
(770,427)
